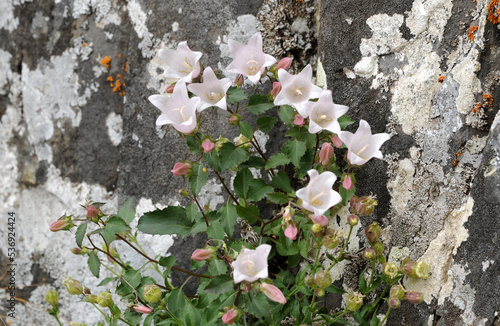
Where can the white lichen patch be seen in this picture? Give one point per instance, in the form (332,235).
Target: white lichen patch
(465,72)
(398,254)
(211,194)
(7,19)
(429,16)
(440,254)
(486,264)
(5,72)
(114,122)
(400,187)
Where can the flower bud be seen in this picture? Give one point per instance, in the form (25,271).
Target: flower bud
(230,316)
(347,182)
(181,168)
(52,297)
(320,293)
(354,301)
(363,205)
(73,286)
(317,229)
(272,292)
(353,220)
(414,297)
(207,253)
(184,192)
(62,224)
(86,290)
(323,279)
(394,303)
(409,269)
(299,120)
(378,247)
(373,232)
(104,299)
(221,141)
(309,280)
(422,269)
(239,80)
(390,269)
(291,231)
(326,153)
(330,239)
(234,120)
(152,293)
(284,63)
(93,213)
(369,254)
(336,141)
(321,220)
(92,298)
(142,309)
(397,291)
(207,145)
(276,89)
(80,251)
(170,89)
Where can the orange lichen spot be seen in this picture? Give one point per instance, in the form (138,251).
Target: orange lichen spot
(84,44)
(106,61)
(43,279)
(119,55)
(122,93)
(126,66)
(301,1)
(110,78)
(476,108)
(10,322)
(488,100)
(118,76)
(472,30)
(455,163)
(458,154)
(494,11)
(441,79)
(118,86)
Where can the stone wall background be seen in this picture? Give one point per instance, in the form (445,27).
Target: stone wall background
(65,136)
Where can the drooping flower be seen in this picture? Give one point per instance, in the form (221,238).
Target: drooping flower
(296,90)
(284,63)
(318,196)
(250,265)
(326,153)
(230,316)
(207,145)
(362,145)
(206,253)
(182,63)
(249,59)
(323,115)
(142,309)
(272,292)
(178,110)
(336,141)
(291,231)
(321,220)
(212,92)
(181,168)
(299,120)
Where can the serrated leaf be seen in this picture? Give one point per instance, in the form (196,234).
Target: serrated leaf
(258,189)
(250,213)
(235,94)
(193,144)
(127,211)
(106,281)
(213,160)
(246,130)
(306,163)
(217,267)
(227,217)
(277,160)
(80,233)
(168,263)
(346,194)
(198,179)
(114,225)
(133,317)
(265,124)
(94,263)
(286,113)
(281,181)
(295,149)
(302,134)
(277,198)
(259,104)
(220,284)
(215,231)
(259,306)
(133,277)
(344,121)
(170,220)
(176,301)
(241,182)
(253,162)
(231,155)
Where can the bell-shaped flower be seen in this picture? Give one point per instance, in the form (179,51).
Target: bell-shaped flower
(178,110)
(324,114)
(250,265)
(182,63)
(321,220)
(291,231)
(272,292)
(249,59)
(212,92)
(319,196)
(362,145)
(296,90)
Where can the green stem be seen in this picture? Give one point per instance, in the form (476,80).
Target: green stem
(375,304)
(225,187)
(373,274)
(58,321)
(123,320)
(386,315)
(343,249)
(309,310)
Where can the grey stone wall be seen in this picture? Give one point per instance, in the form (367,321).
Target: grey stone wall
(66,136)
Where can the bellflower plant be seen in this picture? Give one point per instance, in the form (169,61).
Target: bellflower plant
(319,196)
(212,91)
(251,264)
(324,114)
(183,64)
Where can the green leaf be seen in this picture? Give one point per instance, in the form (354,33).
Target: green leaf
(94,263)
(302,134)
(250,213)
(213,160)
(346,194)
(198,179)
(107,280)
(259,104)
(193,144)
(168,263)
(306,163)
(265,124)
(281,181)
(235,94)
(344,121)
(220,284)
(277,198)
(133,277)
(253,162)
(231,155)
(176,301)
(277,160)
(114,225)
(286,113)
(333,289)
(246,130)
(170,220)
(80,233)
(259,306)
(241,182)
(374,321)
(217,267)
(227,217)
(127,211)
(133,317)
(362,281)
(295,149)
(258,189)
(215,231)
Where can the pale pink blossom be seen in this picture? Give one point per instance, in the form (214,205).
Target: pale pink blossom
(142,309)
(284,63)
(347,182)
(336,141)
(321,220)
(212,91)
(326,153)
(182,63)
(299,120)
(291,231)
(362,145)
(250,265)
(181,168)
(230,316)
(178,110)
(276,89)
(324,114)
(203,254)
(93,212)
(272,292)
(249,59)
(297,90)
(318,196)
(207,145)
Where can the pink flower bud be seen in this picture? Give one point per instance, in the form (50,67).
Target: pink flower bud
(239,80)
(170,89)
(93,212)
(142,309)
(291,231)
(230,316)
(284,63)
(234,120)
(181,168)
(276,89)
(353,220)
(414,297)
(207,253)
(369,254)
(397,291)
(347,182)
(336,141)
(394,303)
(272,292)
(373,232)
(322,220)
(208,146)
(64,223)
(409,268)
(326,153)
(299,120)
